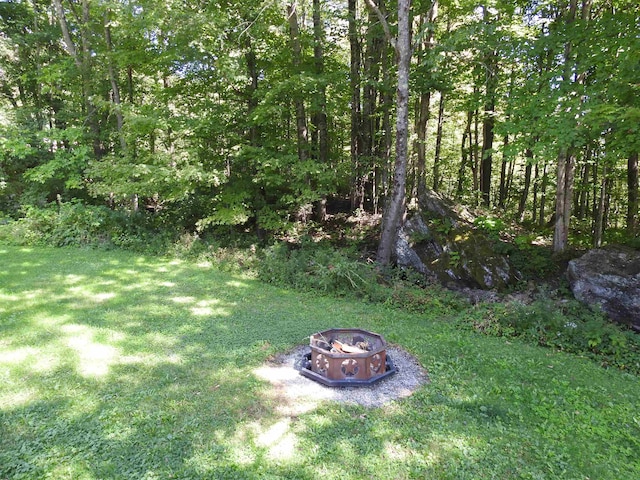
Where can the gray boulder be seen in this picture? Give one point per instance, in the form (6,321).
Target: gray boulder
(440,241)
(609,279)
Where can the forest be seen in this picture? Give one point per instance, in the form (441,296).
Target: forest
(256,115)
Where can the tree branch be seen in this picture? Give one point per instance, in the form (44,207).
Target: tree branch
(71,48)
(383,21)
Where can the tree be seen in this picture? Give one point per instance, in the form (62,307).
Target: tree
(240,114)
(394,209)
(490,64)
(632,186)
(296,49)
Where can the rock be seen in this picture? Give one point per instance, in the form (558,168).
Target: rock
(444,208)
(441,242)
(609,278)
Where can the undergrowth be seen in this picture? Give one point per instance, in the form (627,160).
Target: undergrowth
(551,321)
(79,225)
(341,273)
(561,324)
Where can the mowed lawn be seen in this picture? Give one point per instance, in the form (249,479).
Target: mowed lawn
(114,365)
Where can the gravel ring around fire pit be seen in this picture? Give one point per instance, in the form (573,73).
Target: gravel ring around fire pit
(296,394)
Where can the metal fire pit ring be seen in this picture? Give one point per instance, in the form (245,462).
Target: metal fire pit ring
(364,364)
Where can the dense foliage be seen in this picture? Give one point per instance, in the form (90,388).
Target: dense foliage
(252,115)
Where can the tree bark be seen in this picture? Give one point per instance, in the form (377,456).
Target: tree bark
(543,195)
(436,159)
(394,209)
(503,174)
(582,199)
(66,36)
(320,110)
(354,80)
(386,139)
(296,48)
(566,159)
(113,78)
(632,187)
(536,186)
(82,59)
(475,153)
(564,193)
(423,112)
(527,184)
(598,228)
(252,101)
(464,157)
(369,155)
(488,123)
(320,116)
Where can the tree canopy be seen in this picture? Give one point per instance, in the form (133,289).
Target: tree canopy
(255,114)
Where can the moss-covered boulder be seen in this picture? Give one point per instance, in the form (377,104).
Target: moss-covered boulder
(441,241)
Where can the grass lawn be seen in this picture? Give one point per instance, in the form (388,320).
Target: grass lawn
(114,365)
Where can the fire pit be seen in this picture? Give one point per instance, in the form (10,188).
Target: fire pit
(347,357)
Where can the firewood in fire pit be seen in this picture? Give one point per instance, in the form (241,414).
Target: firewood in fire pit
(346,348)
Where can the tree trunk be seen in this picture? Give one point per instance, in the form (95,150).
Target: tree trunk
(566,159)
(354,78)
(536,186)
(503,174)
(422,118)
(543,195)
(394,209)
(37,88)
(488,123)
(436,159)
(632,187)
(583,196)
(564,192)
(527,184)
(296,48)
(512,168)
(252,101)
(598,222)
(82,59)
(423,112)
(369,160)
(320,115)
(464,156)
(474,147)
(386,139)
(503,191)
(113,78)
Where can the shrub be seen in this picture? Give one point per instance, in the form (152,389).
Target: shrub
(317,268)
(75,224)
(322,268)
(564,325)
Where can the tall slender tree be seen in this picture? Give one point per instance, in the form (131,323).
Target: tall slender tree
(632,188)
(490,64)
(394,208)
(296,49)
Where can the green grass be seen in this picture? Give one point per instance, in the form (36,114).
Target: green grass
(114,365)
